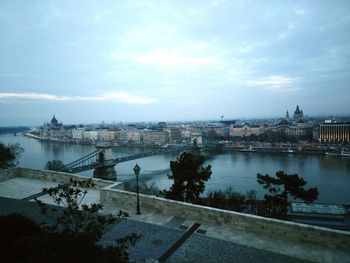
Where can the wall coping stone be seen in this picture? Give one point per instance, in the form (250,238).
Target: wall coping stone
(9,173)
(292,231)
(59,177)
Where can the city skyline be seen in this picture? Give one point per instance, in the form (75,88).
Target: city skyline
(132,61)
(240,120)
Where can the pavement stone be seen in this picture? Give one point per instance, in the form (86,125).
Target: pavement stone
(199,248)
(154,241)
(20,188)
(175,222)
(27,208)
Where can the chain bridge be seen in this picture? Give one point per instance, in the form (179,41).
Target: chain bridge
(102,161)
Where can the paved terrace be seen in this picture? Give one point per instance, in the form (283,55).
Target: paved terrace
(167,237)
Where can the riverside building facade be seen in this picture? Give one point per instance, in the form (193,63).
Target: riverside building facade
(334,132)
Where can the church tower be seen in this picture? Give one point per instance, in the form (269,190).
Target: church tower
(298,115)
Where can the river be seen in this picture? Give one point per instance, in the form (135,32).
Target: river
(236,169)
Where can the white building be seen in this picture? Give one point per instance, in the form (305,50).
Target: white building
(111,136)
(245,130)
(174,134)
(102,134)
(134,136)
(78,134)
(156,137)
(121,136)
(90,135)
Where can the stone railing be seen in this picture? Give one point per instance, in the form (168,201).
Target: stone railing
(47,175)
(295,232)
(8,174)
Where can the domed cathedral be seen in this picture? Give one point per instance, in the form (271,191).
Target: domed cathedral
(295,128)
(54,121)
(298,115)
(54,129)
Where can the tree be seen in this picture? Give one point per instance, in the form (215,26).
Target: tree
(189,177)
(252,204)
(9,155)
(236,200)
(79,221)
(144,188)
(282,187)
(227,199)
(54,165)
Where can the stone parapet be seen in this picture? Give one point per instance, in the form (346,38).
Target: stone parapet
(47,175)
(8,174)
(278,229)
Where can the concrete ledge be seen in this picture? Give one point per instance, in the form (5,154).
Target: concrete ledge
(8,174)
(47,175)
(278,229)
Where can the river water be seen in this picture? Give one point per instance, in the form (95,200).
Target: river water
(236,169)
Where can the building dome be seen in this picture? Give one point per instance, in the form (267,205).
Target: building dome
(54,121)
(298,115)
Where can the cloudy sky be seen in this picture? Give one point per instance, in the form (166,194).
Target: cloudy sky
(94,61)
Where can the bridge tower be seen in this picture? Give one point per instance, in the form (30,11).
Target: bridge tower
(105,169)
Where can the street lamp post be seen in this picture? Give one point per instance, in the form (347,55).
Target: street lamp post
(137,172)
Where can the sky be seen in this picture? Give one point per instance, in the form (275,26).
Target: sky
(128,61)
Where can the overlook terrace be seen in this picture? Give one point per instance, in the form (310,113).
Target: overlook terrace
(222,235)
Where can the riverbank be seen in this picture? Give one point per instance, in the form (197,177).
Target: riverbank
(64,141)
(13,130)
(90,142)
(320,150)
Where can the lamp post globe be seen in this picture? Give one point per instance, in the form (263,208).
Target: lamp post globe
(137,170)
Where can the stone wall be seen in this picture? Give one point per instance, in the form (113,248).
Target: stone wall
(324,237)
(52,176)
(8,174)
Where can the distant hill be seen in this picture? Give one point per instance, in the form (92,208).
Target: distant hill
(4,130)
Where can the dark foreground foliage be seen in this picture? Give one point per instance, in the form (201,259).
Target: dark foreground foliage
(24,241)
(54,165)
(144,188)
(282,188)
(9,155)
(72,237)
